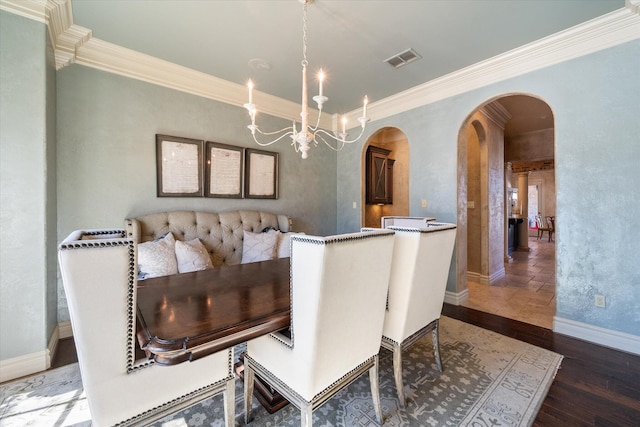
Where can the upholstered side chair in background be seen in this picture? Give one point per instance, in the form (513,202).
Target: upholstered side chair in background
(99,270)
(338,292)
(419,272)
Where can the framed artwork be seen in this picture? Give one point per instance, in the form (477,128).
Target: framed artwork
(179,166)
(223,170)
(261,174)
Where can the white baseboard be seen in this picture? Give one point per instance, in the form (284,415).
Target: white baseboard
(39,361)
(606,337)
(456,298)
(472,276)
(24,365)
(53,345)
(64,329)
(497,275)
(484,279)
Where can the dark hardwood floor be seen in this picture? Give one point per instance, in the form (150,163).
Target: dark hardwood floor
(595,385)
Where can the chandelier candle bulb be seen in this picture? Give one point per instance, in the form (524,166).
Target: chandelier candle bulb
(309,133)
(364,106)
(305,100)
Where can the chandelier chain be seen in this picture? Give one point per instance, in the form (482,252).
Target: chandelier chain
(304,36)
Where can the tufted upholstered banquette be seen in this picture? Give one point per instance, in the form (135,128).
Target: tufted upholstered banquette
(221,233)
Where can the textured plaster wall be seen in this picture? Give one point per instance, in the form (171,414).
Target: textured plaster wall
(474,215)
(485,188)
(530,146)
(107,160)
(594,100)
(394,140)
(597,153)
(51,201)
(495,218)
(27,206)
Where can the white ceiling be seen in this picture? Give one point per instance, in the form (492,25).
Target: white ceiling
(350,39)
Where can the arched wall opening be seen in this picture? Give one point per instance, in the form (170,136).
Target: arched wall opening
(396,141)
(510,130)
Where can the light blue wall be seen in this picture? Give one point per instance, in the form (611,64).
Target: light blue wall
(51,202)
(107,159)
(27,158)
(106,171)
(595,100)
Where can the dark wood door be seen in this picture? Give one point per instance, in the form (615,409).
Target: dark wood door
(379,176)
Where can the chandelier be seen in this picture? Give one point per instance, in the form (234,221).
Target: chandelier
(303,139)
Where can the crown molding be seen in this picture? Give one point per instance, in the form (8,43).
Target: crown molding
(610,30)
(600,33)
(75,44)
(112,58)
(58,17)
(496,113)
(32,9)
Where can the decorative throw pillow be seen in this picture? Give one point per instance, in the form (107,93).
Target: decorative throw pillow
(283,249)
(259,246)
(192,256)
(157,258)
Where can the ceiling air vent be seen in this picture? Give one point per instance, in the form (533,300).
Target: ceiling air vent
(403,58)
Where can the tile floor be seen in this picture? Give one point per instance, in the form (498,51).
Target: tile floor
(528,290)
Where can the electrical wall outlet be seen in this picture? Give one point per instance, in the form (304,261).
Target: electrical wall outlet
(355,205)
(424,203)
(600,301)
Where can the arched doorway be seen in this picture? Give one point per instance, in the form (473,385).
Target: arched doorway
(505,151)
(395,141)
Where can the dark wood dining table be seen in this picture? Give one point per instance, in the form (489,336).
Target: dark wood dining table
(183,317)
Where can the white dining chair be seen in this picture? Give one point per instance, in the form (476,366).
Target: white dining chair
(419,272)
(99,274)
(338,292)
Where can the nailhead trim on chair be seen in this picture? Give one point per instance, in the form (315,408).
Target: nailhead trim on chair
(320,241)
(388,343)
(131,366)
(290,343)
(435,227)
(202,390)
(336,383)
(339,238)
(319,397)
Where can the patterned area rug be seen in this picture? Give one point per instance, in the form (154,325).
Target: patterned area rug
(488,380)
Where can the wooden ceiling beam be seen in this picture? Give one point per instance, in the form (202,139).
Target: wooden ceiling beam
(535,165)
